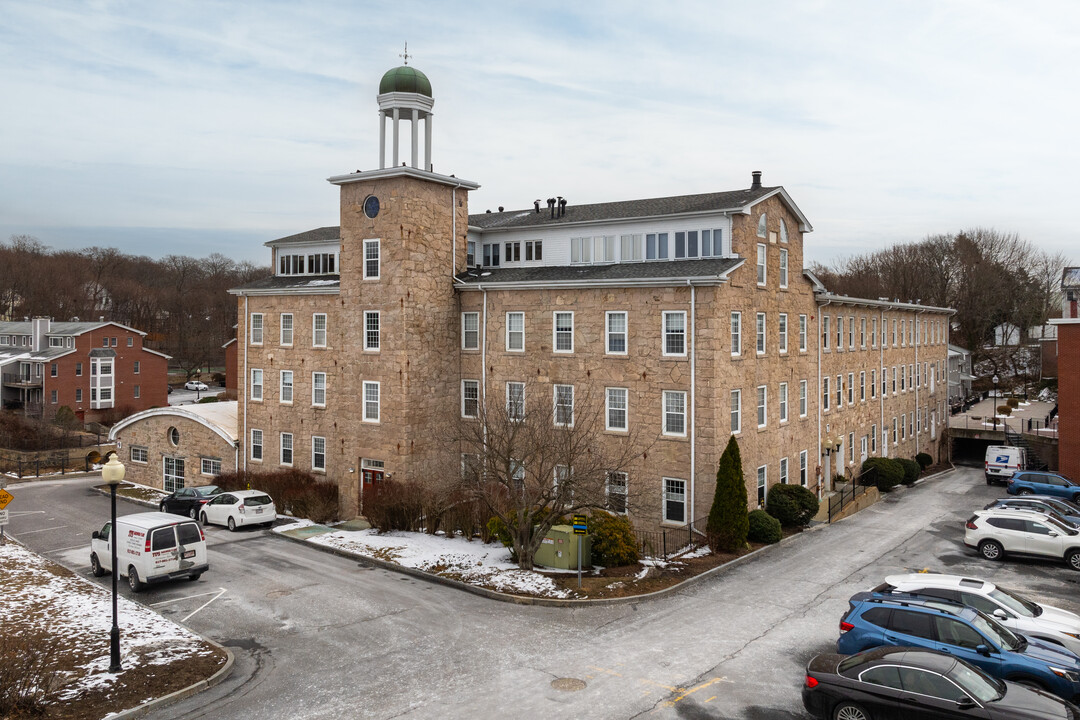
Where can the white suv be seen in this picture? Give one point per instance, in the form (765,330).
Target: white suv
(1014,611)
(997,532)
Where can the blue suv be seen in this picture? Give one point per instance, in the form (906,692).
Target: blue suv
(875,620)
(1028,482)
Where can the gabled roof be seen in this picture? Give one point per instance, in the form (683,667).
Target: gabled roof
(730,201)
(291,285)
(25,327)
(323,234)
(658,272)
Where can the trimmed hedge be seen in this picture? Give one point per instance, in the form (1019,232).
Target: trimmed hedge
(613,540)
(885,473)
(1004,410)
(1013,403)
(764,528)
(924,460)
(792,505)
(911,471)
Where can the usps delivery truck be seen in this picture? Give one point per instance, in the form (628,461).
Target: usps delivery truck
(1002,461)
(151,547)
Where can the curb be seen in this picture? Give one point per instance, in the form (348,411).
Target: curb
(183,693)
(544,602)
(936,475)
(137,501)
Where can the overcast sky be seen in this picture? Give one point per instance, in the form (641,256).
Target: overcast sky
(185,127)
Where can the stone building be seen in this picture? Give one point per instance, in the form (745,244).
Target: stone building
(690,316)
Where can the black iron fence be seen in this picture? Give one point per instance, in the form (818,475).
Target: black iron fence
(666,542)
(846,494)
(47,464)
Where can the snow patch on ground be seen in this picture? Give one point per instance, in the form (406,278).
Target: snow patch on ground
(292,526)
(476,563)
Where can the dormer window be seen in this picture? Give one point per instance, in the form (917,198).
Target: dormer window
(56,342)
(313,264)
(761,225)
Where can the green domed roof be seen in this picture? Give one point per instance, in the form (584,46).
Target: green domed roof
(405,79)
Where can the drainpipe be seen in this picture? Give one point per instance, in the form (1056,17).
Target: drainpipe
(884,451)
(483,370)
(238,384)
(453,214)
(918,374)
(693,398)
(828,481)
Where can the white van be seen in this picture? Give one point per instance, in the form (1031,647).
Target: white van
(1002,461)
(151,547)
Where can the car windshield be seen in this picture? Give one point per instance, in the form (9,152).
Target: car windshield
(1020,606)
(208,490)
(1062,524)
(1062,507)
(258,500)
(976,683)
(997,633)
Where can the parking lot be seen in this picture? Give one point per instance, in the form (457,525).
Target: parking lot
(317,636)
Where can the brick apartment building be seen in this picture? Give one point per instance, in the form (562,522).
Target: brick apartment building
(98,369)
(1068,358)
(690,317)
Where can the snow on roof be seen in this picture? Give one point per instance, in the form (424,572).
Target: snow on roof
(221,417)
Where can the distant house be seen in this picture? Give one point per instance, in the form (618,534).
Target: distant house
(1070,292)
(95,368)
(960,376)
(1006,334)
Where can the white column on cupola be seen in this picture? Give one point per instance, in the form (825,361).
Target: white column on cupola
(427,143)
(382,140)
(415,138)
(396,118)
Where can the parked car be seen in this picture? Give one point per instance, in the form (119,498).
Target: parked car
(874,619)
(195,385)
(894,683)
(1011,609)
(997,532)
(152,547)
(1031,482)
(1002,461)
(239,507)
(188,500)
(1044,504)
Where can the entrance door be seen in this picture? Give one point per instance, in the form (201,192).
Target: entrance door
(372,479)
(864,450)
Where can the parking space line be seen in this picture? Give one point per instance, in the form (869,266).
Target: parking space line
(73,547)
(185,619)
(186,597)
(31,532)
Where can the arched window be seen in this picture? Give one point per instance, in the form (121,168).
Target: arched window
(783,231)
(761,225)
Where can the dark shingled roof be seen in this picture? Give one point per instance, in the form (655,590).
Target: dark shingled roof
(649,207)
(292,282)
(659,270)
(322,234)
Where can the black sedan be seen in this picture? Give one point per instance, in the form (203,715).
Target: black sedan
(188,500)
(895,683)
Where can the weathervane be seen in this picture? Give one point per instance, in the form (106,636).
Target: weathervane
(405,54)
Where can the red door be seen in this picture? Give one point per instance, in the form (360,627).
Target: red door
(372,480)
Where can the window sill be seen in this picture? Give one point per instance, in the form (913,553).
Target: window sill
(672,524)
(676,438)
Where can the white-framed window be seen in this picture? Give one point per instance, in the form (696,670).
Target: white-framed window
(318,389)
(735,407)
(762,484)
(616,329)
(884,382)
(903,380)
(371,401)
(285,389)
(803,469)
(761,260)
(825,332)
(783,471)
(470,398)
(851,447)
(783,402)
(674,332)
(839,392)
(911,423)
(371,260)
(210,466)
(736,333)
(675,413)
(762,224)
(903,428)
(802,333)
(617,491)
(515,401)
(783,267)
(802,398)
(562,328)
(140,454)
(256,384)
(851,332)
(78,369)
(631,247)
(256,444)
(862,386)
(839,333)
(54,395)
(318,330)
(78,394)
(894,332)
(371,330)
(172,474)
(783,333)
(135,367)
(894,430)
(760,333)
(286,321)
(256,329)
(873,332)
(318,453)
(862,333)
(674,501)
(825,393)
(581,250)
(534,250)
(873,384)
(894,380)
(470,330)
(873,438)
(762,405)
(286,448)
(515,332)
(617,408)
(564,405)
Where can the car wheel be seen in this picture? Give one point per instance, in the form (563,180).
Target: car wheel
(232,524)
(204,522)
(1073,559)
(134,582)
(95,566)
(989,481)
(191,513)
(991,549)
(194,576)
(850,711)
(1023,491)
(163,507)
(1076,498)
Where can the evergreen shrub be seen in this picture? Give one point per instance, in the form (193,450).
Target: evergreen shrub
(792,505)
(885,473)
(613,540)
(924,460)
(728,524)
(763,528)
(911,471)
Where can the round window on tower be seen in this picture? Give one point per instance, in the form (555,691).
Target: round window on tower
(174,437)
(371,206)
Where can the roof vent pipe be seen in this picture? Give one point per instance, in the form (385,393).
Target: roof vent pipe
(501,208)
(756,184)
(536,204)
(551,206)
(562,206)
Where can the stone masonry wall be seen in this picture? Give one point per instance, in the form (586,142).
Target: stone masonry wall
(196,442)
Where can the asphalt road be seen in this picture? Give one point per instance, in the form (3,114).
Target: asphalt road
(181,396)
(318,636)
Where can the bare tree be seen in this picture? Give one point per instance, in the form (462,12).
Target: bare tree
(529,468)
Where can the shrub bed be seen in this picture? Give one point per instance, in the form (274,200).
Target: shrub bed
(764,528)
(792,505)
(613,540)
(885,473)
(294,492)
(911,471)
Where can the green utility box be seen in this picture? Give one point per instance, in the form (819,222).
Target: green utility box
(560,549)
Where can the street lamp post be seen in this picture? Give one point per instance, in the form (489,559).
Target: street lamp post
(113,474)
(994,405)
